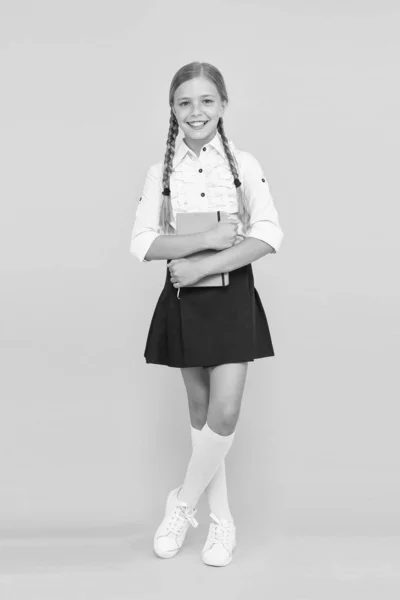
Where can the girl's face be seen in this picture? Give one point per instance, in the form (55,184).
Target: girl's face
(198,107)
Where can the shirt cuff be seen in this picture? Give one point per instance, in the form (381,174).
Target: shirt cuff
(141,243)
(267,232)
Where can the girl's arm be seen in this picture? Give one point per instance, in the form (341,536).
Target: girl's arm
(165,247)
(146,242)
(237,256)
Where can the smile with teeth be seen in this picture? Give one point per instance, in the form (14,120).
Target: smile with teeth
(197,124)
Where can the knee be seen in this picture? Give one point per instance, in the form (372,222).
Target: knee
(223,422)
(198,420)
(198,414)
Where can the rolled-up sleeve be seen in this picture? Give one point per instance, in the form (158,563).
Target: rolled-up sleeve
(146,228)
(264,220)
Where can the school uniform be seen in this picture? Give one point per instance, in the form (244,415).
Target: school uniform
(208,326)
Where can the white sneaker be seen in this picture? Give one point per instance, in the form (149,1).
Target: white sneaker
(220,544)
(171,534)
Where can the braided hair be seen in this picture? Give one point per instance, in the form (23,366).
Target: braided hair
(166,206)
(243,206)
(185,73)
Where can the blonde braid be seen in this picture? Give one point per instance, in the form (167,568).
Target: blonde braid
(244,210)
(166,206)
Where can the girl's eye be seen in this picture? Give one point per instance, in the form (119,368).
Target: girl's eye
(186,102)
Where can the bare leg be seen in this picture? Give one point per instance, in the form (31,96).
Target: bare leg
(226,392)
(197,383)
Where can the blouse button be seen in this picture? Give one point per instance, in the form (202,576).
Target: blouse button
(200,170)
(204,149)
(202,194)
(263,179)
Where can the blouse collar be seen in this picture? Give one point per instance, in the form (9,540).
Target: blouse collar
(184,149)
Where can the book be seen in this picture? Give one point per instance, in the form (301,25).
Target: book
(197,222)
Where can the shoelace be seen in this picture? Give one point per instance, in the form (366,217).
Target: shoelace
(179,519)
(220,531)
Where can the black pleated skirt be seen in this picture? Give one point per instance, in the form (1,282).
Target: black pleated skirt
(208,326)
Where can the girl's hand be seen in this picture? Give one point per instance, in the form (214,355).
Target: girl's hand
(223,235)
(185,272)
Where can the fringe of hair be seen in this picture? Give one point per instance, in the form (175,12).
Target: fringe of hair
(166,213)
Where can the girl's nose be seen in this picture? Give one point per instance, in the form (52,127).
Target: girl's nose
(196,110)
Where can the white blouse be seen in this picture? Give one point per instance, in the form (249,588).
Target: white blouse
(205,183)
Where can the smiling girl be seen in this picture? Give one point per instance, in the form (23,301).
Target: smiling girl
(209,333)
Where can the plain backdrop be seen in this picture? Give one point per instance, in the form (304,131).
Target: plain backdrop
(92,436)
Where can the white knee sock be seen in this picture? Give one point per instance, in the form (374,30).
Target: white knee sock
(216,491)
(207,455)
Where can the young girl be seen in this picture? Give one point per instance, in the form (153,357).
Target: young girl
(210,333)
